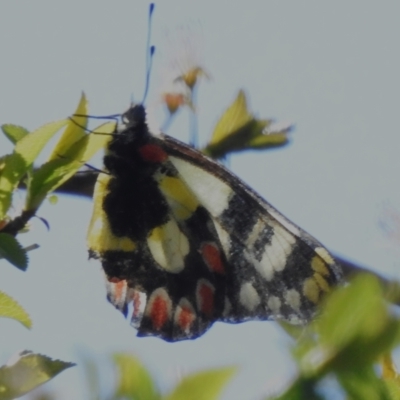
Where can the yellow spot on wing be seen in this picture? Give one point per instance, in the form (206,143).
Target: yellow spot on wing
(100,238)
(319,266)
(181,200)
(321,282)
(311,290)
(168,246)
(323,253)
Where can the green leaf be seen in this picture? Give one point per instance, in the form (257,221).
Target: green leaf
(353,331)
(14,132)
(362,383)
(17,164)
(75,130)
(98,140)
(265,141)
(27,372)
(9,308)
(235,130)
(54,173)
(301,389)
(206,385)
(47,178)
(134,381)
(356,318)
(13,168)
(233,120)
(31,145)
(12,251)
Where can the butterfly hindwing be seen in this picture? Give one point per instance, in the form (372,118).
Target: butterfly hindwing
(184,243)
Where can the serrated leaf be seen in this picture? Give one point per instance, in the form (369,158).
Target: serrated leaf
(14,133)
(12,251)
(27,372)
(134,381)
(10,308)
(206,385)
(75,130)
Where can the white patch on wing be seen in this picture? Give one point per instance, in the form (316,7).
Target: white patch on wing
(255,233)
(284,222)
(224,238)
(275,255)
(116,292)
(323,253)
(292,298)
(274,303)
(212,193)
(295,320)
(136,302)
(248,296)
(169,246)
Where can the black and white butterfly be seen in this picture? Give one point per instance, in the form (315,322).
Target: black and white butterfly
(184,242)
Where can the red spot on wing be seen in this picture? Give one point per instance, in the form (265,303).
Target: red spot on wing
(212,257)
(160,308)
(205,297)
(153,153)
(185,315)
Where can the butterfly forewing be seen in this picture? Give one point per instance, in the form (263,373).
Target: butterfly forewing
(277,269)
(184,243)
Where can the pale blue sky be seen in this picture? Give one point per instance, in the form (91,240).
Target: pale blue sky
(331,68)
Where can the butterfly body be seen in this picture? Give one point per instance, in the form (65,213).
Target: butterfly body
(184,242)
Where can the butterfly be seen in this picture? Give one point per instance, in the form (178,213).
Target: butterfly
(185,243)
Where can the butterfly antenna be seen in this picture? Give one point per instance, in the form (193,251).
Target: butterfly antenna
(149,52)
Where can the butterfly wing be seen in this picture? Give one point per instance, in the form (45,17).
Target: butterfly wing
(277,270)
(184,242)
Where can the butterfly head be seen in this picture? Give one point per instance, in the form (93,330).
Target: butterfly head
(133,118)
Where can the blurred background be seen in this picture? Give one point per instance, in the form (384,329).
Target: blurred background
(331,69)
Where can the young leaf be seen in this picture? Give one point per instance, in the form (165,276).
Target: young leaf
(235,130)
(75,130)
(206,385)
(9,308)
(12,251)
(27,372)
(14,133)
(134,381)
(57,171)
(31,145)
(17,164)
